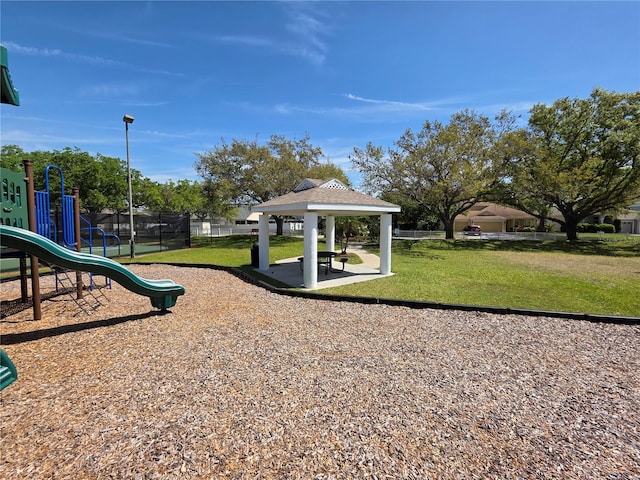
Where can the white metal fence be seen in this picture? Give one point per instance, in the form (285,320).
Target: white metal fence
(536,236)
(226,230)
(294,229)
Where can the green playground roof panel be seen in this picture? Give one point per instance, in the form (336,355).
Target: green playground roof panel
(8,93)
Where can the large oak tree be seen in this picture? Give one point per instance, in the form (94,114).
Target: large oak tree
(247,172)
(443,170)
(580,156)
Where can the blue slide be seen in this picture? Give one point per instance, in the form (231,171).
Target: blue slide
(163,293)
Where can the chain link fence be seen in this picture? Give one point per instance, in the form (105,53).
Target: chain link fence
(154,232)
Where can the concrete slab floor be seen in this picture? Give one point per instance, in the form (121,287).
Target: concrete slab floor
(288,271)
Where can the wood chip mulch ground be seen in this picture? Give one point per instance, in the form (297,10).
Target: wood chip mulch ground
(238,382)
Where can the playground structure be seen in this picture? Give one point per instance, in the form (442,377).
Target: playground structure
(72,221)
(163,293)
(22,206)
(8,95)
(26,226)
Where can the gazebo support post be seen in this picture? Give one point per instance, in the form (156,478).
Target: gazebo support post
(385,244)
(310,250)
(330,233)
(263,242)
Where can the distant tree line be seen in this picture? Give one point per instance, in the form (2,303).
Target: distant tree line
(578,156)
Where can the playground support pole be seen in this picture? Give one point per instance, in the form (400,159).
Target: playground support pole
(31,212)
(127,119)
(76,223)
(24,294)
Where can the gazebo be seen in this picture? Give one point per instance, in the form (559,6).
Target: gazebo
(324,198)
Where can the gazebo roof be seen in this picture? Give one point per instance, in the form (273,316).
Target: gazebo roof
(325,197)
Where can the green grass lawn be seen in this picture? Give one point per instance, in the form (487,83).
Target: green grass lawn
(233,251)
(586,276)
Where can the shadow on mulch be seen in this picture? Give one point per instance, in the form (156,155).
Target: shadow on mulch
(11,307)
(14,338)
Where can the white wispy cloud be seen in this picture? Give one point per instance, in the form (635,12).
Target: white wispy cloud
(110,90)
(383,111)
(140,103)
(36,141)
(278,108)
(288,48)
(390,103)
(129,39)
(308,25)
(56,52)
(303,35)
(126,94)
(365,108)
(249,40)
(441,106)
(163,135)
(309,28)
(313,56)
(75,57)
(116,36)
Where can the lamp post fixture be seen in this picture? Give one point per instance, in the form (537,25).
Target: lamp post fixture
(127,119)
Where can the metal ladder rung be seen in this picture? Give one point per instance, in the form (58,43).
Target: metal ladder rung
(64,278)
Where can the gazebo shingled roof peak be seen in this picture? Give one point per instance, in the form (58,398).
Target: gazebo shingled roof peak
(333,184)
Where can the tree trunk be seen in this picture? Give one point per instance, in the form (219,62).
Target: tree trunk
(540,227)
(344,243)
(448,228)
(572,230)
(279,224)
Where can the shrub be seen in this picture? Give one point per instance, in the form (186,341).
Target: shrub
(596,227)
(605,227)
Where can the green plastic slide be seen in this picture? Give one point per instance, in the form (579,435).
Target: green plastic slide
(8,372)
(163,293)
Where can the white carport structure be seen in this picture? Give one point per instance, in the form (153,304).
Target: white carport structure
(324,198)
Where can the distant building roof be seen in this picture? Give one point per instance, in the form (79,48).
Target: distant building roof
(486,211)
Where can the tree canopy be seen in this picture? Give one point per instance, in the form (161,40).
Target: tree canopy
(580,156)
(183,196)
(443,170)
(245,171)
(103,181)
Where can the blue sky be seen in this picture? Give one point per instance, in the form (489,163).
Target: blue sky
(346,73)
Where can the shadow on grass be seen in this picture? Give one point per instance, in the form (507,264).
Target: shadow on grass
(424,248)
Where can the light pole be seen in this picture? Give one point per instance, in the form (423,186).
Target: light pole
(127,119)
